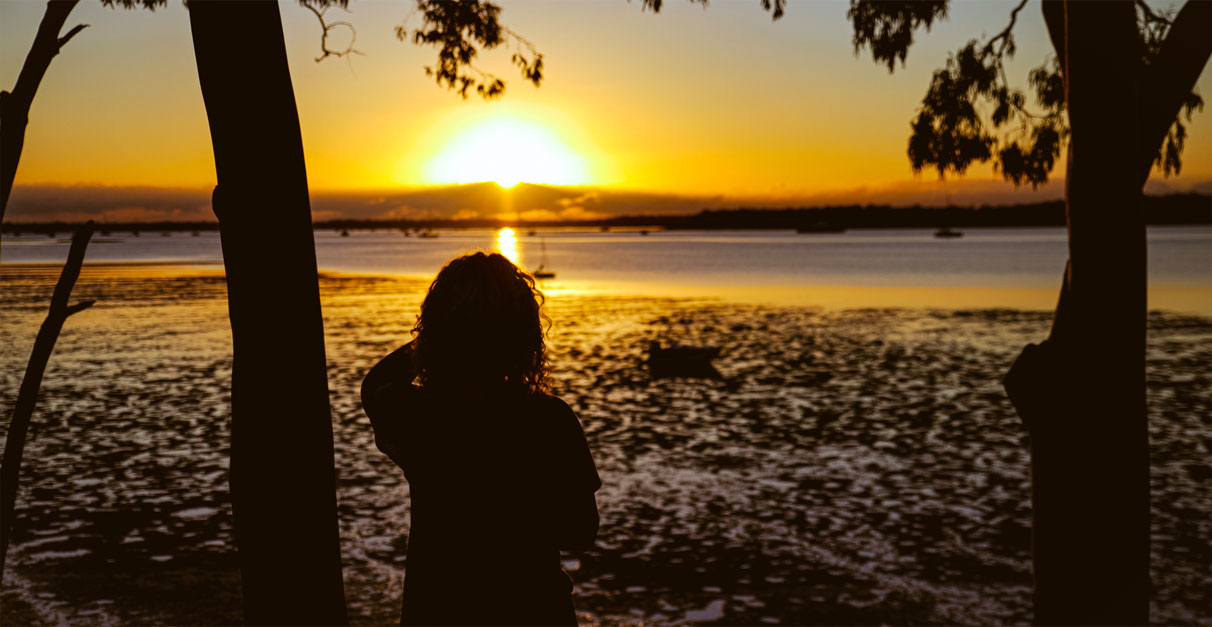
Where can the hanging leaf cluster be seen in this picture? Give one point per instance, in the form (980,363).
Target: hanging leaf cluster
(971,113)
(887,26)
(459,29)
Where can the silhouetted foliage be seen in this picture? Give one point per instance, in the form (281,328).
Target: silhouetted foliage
(776,7)
(459,29)
(887,26)
(972,114)
(135,4)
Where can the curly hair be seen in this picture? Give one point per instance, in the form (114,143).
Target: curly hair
(482,323)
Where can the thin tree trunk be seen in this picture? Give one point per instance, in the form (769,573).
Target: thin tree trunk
(1081,393)
(27,396)
(14,106)
(283,481)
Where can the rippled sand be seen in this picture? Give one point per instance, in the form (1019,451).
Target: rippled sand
(849,466)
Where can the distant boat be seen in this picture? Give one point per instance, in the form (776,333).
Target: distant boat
(542,272)
(429,233)
(193,234)
(948,232)
(344,232)
(643,232)
(605,229)
(820,227)
(530,232)
(677,360)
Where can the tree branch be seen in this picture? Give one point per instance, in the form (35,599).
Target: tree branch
(71,33)
(27,397)
(1005,36)
(78,307)
(14,106)
(327,26)
(1170,77)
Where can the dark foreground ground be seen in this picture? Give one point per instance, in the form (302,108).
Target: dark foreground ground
(848,467)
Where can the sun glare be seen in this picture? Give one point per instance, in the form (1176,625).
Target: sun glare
(507,151)
(507,244)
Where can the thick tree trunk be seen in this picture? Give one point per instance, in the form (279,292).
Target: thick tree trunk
(283,481)
(1081,393)
(14,106)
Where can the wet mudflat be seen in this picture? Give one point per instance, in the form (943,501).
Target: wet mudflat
(848,466)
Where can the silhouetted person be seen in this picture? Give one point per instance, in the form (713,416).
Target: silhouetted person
(500,475)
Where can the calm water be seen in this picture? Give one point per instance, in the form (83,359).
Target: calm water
(987,267)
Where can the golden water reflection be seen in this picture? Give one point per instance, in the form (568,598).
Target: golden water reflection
(507,244)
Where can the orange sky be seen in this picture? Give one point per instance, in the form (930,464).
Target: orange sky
(692,101)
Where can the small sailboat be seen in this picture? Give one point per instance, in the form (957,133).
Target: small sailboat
(542,272)
(344,232)
(948,232)
(820,227)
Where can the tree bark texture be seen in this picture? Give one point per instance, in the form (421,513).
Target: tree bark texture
(27,395)
(1081,393)
(14,106)
(283,482)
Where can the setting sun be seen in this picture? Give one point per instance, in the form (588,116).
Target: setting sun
(507,151)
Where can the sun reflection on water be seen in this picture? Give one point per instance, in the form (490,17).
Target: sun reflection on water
(507,244)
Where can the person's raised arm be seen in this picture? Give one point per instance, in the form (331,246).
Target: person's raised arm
(386,386)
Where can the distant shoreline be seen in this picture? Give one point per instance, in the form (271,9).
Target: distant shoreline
(1175,209)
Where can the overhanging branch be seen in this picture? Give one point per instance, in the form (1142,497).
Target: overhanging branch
(1170,77)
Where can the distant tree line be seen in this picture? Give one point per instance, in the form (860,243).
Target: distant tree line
(1175,209)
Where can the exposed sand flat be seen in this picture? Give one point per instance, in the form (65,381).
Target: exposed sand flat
(850,466)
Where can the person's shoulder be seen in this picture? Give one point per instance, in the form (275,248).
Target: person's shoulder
(552,412)
(553,404)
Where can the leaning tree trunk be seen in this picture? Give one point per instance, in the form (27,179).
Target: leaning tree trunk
(27,395)
(283,483)
(1081,393)
(14,105)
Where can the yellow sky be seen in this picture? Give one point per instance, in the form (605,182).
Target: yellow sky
(690,101)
